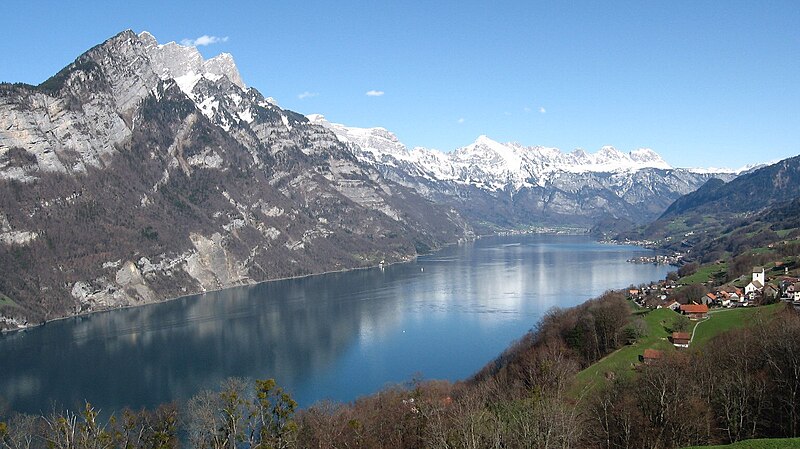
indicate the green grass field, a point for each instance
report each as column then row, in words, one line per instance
column 6, row 301
column 622, row 361
column 705, row 274
column 767, row 443
column 784, row 232
column 723, row 320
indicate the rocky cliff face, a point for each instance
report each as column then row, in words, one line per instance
column 142, row 172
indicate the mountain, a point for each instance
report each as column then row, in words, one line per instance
column 721, row 219
column 142, row 171
column 750, row 192
column 495, row 184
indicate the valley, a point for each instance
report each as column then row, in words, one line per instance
column 364, row 284
column 142, row 172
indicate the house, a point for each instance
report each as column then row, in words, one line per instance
column 771, row 292
column 695, row 311
column 651, row 356
column 733, row 294
column 721, row 298
column 681, row 339
column 652, row 302
column 709, row 299
column 674, row 305
column 787, row 287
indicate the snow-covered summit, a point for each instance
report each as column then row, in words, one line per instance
column 609, row 159
column 214, row 84
column 488, row 163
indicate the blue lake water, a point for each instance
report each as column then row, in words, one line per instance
column 335, row 336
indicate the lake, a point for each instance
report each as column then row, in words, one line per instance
column 334, row 336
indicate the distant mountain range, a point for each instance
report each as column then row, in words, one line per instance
column 142, row 171
column 760, row 188
column 720, row 219
column 496, row 184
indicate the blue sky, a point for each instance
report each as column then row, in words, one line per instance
column 704, row 83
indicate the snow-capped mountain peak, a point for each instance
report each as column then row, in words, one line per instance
column 484, row 147
column 608, row 153
column 223, row 64
column 644, row 154
column 172, row 60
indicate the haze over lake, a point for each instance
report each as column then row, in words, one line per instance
column 334, row 336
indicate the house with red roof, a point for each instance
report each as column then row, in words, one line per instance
column 695, row 311
column 651, row 356
column 681, row 339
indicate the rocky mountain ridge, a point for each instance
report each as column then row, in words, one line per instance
column 496, row 184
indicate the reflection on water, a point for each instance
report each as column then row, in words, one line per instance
column 333, row 336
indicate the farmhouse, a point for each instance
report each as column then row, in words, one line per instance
column 651, row 355
column 695, row 311
column 681, row 339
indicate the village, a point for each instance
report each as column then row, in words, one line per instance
column 697, row 302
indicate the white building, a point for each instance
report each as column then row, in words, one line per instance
column 758, row 275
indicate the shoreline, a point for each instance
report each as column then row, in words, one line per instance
column 505, row 233
column 4, row 332
column 457, row 247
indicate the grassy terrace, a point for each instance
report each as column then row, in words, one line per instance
column 705, row 274
column 622, row 361
column 771, row 443
column 6, row 301
column 784, row 232
column 724, row 320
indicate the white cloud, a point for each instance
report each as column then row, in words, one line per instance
column 204, row 40
column 526, row 109
column 460, row 120
column 375, row 93
column 542, row 110
column 307, row 94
